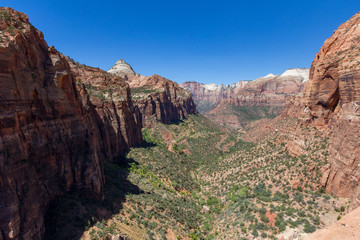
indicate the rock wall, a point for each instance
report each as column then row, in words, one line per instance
column 159, row 99
column 156, row 98
column 119, row 120
column 208, row 96
column 54, row 136
column 261, row 98
column 331, row 101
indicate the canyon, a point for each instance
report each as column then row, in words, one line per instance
column 93, row 154
column 239, row 104
column 157, row 98
column 208, row 96
column 59, row 122
column 262, row 98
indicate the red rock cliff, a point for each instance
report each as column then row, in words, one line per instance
column 261, row 98
column 54, row 136
column 208, row 96
column 333, row 98
column 156, row 98
column 110, row 97
column 332, row 102
column 160, row 99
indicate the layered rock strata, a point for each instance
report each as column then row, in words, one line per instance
column 261, row 98
column 208, row 96
column 331, row 101
column 159, row 99
column 54, row 135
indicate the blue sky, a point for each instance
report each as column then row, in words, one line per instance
column 205, row 41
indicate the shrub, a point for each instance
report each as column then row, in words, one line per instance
column 309, row 228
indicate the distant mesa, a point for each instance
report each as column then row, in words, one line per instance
column 270, row 88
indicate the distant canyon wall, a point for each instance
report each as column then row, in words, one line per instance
column 239, row 104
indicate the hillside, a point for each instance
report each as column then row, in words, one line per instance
column 156, row 98
column 208, row 96
column 89, row 154
column 195, row 179
column 262, row 98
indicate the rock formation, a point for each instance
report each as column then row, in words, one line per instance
column 331, row 101
column 110, row 96
column 261, row 98
column 159, row 99
column 122, row 69
column 346, row 228
column 54, row 136
column 208, row 96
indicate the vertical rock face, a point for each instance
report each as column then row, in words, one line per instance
column 261, row 98
column 109, row 96
column 333, row 99
column 159, row 99
column 208, row 96
column 335, row 72
column 49, row 143
column 54, row 136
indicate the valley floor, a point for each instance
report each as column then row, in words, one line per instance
column 197, row 180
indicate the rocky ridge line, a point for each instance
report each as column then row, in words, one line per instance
column 158, row 98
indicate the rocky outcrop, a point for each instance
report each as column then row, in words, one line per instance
column 54, row 136
column 122, row 69
column 261, row 98
column 346, row 228
column 208, row 96
column 159, row 99
column 331, row 101
column 110, row 97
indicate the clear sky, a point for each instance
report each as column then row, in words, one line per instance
column 205, row 41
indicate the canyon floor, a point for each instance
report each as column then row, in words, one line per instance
column 89, row 154
column 196, row 180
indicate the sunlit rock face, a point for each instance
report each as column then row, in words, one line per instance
column 122, row 69
column 264, row 97
column 208, row 96
column 156, row 98
column 331, row 101
column 333, row 98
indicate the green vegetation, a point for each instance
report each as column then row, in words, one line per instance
column 205, row 106
column 103, row 94
column 195, row 179
column 143, row 91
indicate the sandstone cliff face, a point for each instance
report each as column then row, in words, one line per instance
column 208, row 96
column 54, row 136
column 261, row 98
column 159, row 99
column 346, row 228
column 122, row 69
column 333, row 100
column 109, row 96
